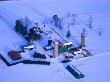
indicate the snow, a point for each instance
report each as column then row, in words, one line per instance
column 95, row 68
column 9, row 40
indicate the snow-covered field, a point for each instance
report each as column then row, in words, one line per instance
column 96, row 68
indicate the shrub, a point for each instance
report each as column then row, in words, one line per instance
column 66, row 61
column 38, row 55
column 36, row 62
column 32, row 37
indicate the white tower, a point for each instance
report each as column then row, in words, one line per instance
column 56, row 49
column 82, row 40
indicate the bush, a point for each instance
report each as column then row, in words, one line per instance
column 38, row 55
column 17, row 58
column 66, row 61
column 32, row 37
column 36, row 62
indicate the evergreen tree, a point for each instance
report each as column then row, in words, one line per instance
column 20, row 28
column 24, row 31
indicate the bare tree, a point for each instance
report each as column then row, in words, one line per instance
column 26, row 21
column 74, row 15
column 100, row 30
column 90, row 22
column 68, row 35
column 57, row 21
